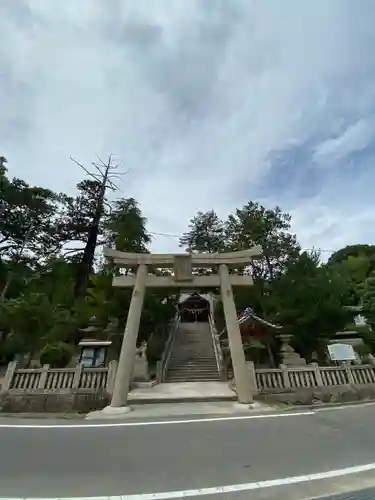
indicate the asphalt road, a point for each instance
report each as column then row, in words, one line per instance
column 75, row 460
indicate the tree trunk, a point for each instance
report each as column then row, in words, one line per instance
column 270, row 354
column 86, row 265
column 6, row 287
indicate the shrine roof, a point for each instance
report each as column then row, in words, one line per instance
column 249, row 316
column 94, row 342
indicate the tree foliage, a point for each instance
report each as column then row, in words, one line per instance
column 308, row 301
column 367, row 251
column 368, row 299
column 206, row 234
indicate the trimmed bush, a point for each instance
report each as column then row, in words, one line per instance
column 57, row 355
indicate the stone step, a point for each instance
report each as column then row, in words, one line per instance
column 198, row 333
column 198, row 357
column 187, row 366
column 193, row 374
column 186, row 361
column 193, row 326
column 192, row 362
column 202, row 356
column 196, row 347
column 193, row 368
column 192, row 341
column 194, row 353
column 198, row 366
column 192, row 344
column 189, row 356
column 207, row 352
column 190, row 373
column 191, row 338
column 190, row 379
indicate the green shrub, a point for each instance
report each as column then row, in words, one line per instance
column 57, row 355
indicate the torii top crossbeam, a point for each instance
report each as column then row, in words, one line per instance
column 182, row 265
column 125, row 259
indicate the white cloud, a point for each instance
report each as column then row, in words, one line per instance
column 194, row 99
column 355, row 138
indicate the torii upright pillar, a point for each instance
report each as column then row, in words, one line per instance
column 240, row 371
column 129, row 342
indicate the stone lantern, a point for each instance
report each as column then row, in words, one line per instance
column 288, row 355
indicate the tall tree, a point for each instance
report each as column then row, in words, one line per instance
column 364, row 251
column 95, row 192
column 270, row 228
column 355, row 270
column 125, row 227
column 206, row 234
column 308, row 300
column 368, row 299
column 28, row 217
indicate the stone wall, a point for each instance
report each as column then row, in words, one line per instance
column 317, row 395
column 41, row 402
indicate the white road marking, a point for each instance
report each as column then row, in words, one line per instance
column 215, row 490
column 153, row 422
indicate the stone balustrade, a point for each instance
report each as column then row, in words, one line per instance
column 310, row 376
column 48, row 379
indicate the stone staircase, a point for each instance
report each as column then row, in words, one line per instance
column 192, row 357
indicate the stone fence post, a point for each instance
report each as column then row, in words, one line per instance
column 77, row 376
column 43, row 377
column 252, row 375
column 285, row 375
column 349, row 373
column 9, row 374
column 111, row 376
column 318, row 375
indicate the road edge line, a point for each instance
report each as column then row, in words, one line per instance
column 214, row 490
column 155, row 422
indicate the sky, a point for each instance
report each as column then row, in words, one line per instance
column 206, row 104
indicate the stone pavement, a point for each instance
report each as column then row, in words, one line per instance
column 180, row 398
column 187, row 409
column 182, row 392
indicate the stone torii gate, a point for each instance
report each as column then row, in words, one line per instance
column 182, row 277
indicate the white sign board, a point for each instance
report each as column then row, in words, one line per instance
column 342, row 352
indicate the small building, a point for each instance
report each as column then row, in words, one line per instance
column 194, row 307
column 258, row 336
column 94, row 353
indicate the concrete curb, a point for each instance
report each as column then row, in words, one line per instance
column 329, row 405
column 44, row 416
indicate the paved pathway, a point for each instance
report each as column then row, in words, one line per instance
column 303, row 454
column 183, row 391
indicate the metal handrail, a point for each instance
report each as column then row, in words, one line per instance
column 217, row 346
column 162, row 366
